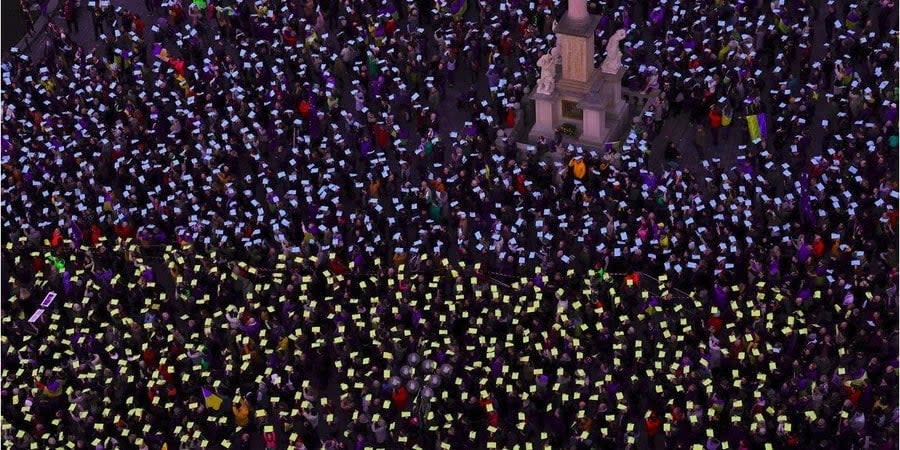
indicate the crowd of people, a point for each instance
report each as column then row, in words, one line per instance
column 309, row 225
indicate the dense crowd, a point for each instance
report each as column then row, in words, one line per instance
column 308, row 225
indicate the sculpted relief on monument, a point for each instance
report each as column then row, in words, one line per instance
column 573, row 59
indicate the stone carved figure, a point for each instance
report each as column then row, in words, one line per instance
column 613, row 60
column 548, row 63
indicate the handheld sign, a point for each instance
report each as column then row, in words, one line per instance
column 48, row 299
column 37, row 315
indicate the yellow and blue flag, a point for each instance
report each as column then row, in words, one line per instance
column 756, row 126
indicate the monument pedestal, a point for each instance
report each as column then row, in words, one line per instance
column 611, row 83
column 596, row 119
column 546, row 116
column 605, row 111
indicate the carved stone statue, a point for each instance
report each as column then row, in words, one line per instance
column 547, row 63
column 613, row 60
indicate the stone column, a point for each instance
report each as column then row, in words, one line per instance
column 611, row 90
column 545, row 118
column 594, row 126
column 577, row 10
column 575, row 38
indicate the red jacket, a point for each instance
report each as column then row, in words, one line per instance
column 715, row 119
column 818, row 248
column 506, row 45
column 305, row 108
column 289, row 38
column 520, row 184
column 149, row 357
column 715, row 322
column 124, row 231
column 510, row 121
column 164, row 372
column 337, row 267
column 381, row 136
column 493, row 417
column 178, row 65
column 652, row 426
column 56, row 238
column 853, row 394
column 390, row 27
column 634, row 277
column 399, row 398
column 37, row 264
column 96, row 232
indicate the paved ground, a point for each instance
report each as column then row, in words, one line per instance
column 12, row 24
column 676, row 129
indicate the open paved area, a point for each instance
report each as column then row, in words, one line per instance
column 309, row 224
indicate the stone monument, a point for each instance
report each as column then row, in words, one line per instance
column 613, row 60
column 547, row 83
column 580, row 94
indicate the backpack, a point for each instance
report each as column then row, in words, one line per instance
column 726, row 117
